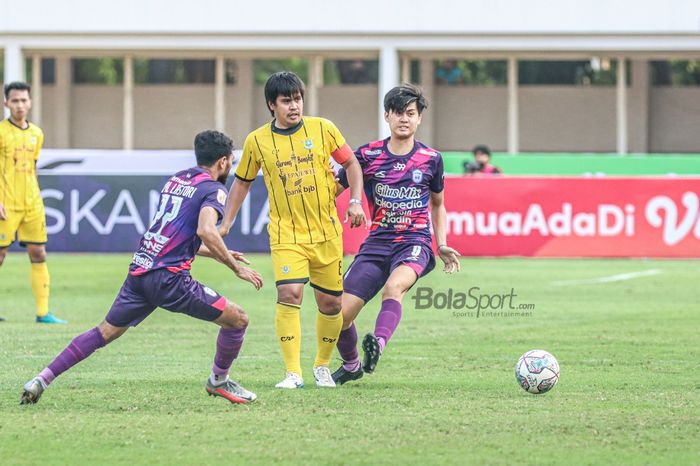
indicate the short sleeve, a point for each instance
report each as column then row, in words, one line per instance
column 333, row 138
column 248, row 166
column 437, row 183
column 216, row 199
column 39, row 144
column 342, row 175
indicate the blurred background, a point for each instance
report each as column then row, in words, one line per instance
column 552, row 88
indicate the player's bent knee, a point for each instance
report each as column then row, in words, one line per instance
column 110, row 332
column 290, row 295
column 393, row 291
column 233, row 316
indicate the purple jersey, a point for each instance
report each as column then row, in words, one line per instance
column 398, row 189
column 171, row 241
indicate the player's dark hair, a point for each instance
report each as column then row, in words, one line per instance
column 210, row 146
column 16, row 86
column 483, row 149
column 400, row 97
column 283, row 83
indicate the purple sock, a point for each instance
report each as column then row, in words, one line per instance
column 228, row 345
column 387, row 320
column 347, row 347
column 80, row 348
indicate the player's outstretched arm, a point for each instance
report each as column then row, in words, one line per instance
column 438, row 213
column 214, row 243
column 239, row 256
column 236, row 195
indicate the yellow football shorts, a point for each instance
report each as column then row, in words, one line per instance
column 28, row 225
column 322, row 263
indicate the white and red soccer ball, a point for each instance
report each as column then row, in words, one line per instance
column 537, row 371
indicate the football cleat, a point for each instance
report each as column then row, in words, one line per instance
column 343, row 375
column 370, row 346
column 50, row 319
column 293, row 380
column 231, row 390
column 323, row 377
column 32, row 391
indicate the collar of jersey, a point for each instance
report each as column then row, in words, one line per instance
column 286, row 131
column 407, row 155
column 18, row 127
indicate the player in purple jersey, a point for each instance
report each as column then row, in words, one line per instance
column 191, row 203
column 403, row 181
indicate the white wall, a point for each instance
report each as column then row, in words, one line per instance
column 96, row 117
column 353, row 109
column 567, row 118
column 675, row 119
column 169, row 116
column 465, row 116
column 360, row 16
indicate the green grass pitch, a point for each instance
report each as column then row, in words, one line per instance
column 444, row 391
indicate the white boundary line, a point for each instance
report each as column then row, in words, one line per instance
column 612, row 278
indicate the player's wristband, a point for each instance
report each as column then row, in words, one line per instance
column 356, row 201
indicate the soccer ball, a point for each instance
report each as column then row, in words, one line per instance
column 537, row 371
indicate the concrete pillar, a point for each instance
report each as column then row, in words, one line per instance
column 622, row 146
column 62, row 102
column 14, row 66
column 405, row 69
column 426, row 131
column 638, row 107
column 312, row 104
column 513, row 115
column 388, row 79
column 36, row 89
column 128, row 104
column 219, row 97
column 244, row 120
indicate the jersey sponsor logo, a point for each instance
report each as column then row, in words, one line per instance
column 221, row 196
column 308, row 144
column 417, row 176
column 285, row 269
column 402, row 192
column 373, row 152
column 329, row 340
column 399, row 167
column 209, row 291
column 143, row 260
column 287, row 338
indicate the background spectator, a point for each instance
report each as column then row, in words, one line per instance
column 481, row 165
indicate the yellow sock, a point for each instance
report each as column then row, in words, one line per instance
column 288, row 330
column 40, row 287
column 327, row 332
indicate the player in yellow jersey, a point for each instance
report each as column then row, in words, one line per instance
column 21, row 206
column 294, row 154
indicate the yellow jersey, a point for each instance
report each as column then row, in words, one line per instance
column 299, row 179
column 19, row 152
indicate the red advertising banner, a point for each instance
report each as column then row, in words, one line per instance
column 568, row 217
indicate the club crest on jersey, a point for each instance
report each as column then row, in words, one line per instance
column 33, row 139
column 399, row 167
column 221, row 196
column 308, row 144
column 417, row 176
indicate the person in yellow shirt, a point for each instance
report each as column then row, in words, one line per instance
column 21, row 207
column 294, row 154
